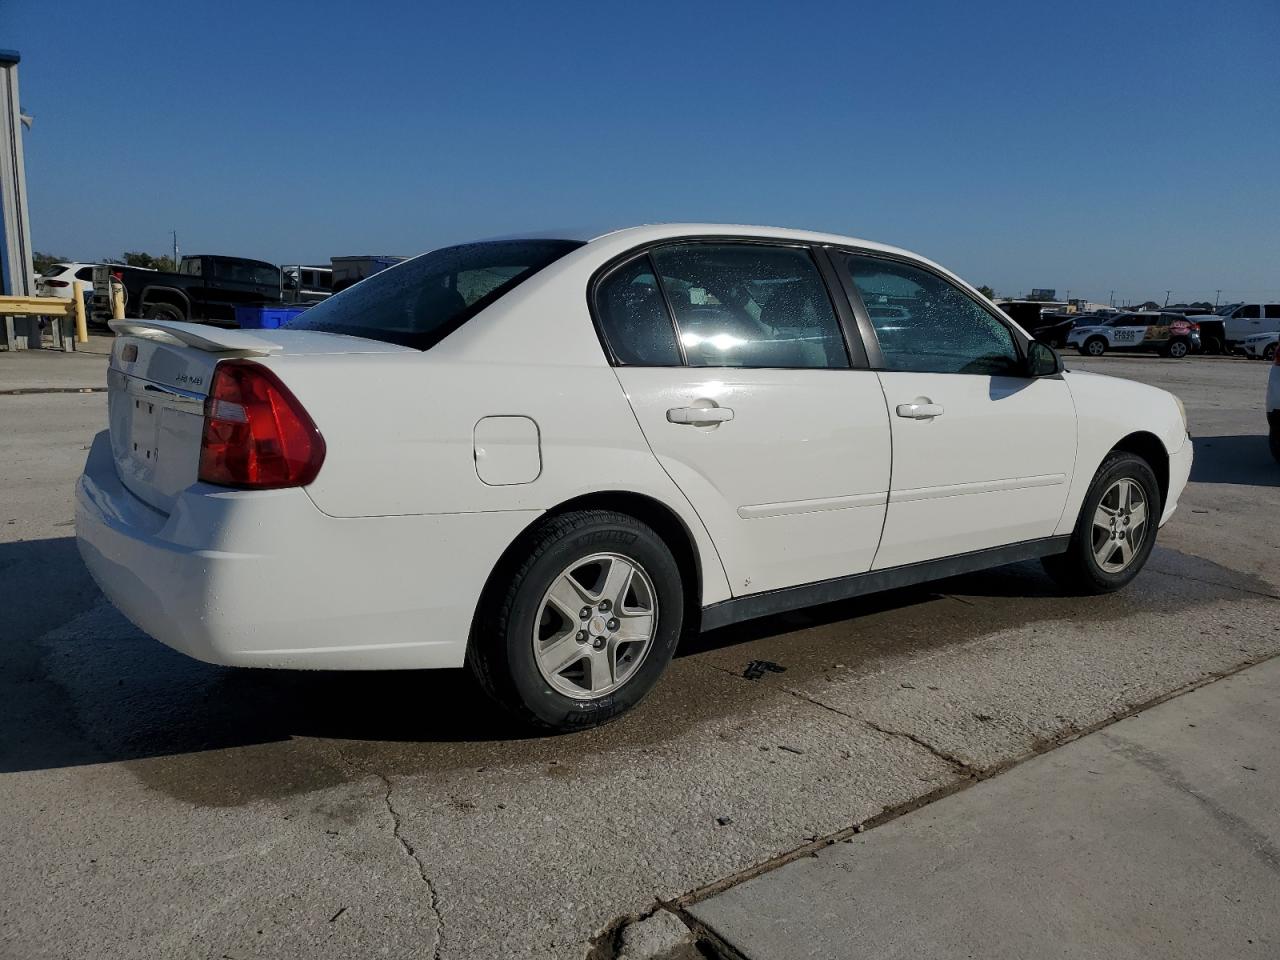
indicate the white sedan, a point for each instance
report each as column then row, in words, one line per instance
column 548, row 460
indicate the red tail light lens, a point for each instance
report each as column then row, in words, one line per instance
column 256, row 434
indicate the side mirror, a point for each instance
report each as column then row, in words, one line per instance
column 1043, row 360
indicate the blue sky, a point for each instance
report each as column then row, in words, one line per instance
column 1086, row 146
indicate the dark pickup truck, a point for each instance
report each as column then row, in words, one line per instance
column 206, row 289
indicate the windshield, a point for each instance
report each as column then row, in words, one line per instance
column 421, row 301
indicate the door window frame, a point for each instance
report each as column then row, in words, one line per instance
column 850, row 329
column 1021, row 340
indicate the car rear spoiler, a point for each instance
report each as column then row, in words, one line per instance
column 198, row 335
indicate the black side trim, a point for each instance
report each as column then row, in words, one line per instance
column 842, row 588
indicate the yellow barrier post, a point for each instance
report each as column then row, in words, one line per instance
column 82, row 324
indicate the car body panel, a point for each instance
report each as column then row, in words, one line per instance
column 993, row 468
column 793, row 488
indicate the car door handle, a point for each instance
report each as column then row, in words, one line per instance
column 921, row 408
column 699, row 416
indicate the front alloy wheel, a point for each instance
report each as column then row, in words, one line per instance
column 1119, row 525
column 1096, row 347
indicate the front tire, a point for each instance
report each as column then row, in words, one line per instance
column 579, row 626
column 1115, row 531
column 1094, row 347
column 1269, row 354
column 1177, row 349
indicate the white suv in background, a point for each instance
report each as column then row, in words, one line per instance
column 58, row 280
column 1260, row 346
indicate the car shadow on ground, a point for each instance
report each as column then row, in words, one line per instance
column 1235, row 459
column 79, row 685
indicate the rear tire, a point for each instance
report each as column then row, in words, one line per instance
column 1269, row 354
column 162, row 311
column 1096, row 560
column 534, row 653
column 1177, row 349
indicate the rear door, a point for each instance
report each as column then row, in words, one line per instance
column 1127, row 333
column 734, row 359
column 982, row 452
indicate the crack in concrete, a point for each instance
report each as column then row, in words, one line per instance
column 1214, row 583
column 407, row 848
column 960, row 766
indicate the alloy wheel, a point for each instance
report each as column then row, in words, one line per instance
column 595, row 625
column 1119, row 525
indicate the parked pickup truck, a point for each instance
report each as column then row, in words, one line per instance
column 205, row 288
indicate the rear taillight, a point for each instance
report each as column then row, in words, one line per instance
column 256, row 433
column 56, row 283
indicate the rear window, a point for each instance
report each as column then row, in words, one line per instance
column 421, row 301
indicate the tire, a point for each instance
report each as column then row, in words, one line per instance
column 162, row 311
column 521, row 627
column 1212, row 345
column 1269, row 354
column 1177, row 349
column 1080, row 570
column 1094, row 347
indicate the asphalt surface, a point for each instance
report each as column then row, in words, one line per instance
column 155, row 806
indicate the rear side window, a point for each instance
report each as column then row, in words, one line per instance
column 750, row 305
column 1273, row 311
column 634, row 318
column 421, row 301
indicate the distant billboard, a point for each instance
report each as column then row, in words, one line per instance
column 1043, row 293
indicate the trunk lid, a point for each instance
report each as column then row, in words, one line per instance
column 157, row 382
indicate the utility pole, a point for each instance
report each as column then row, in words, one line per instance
column 1216, row 295
column 175, row 248
column 1166, row 297
column 1112, row 301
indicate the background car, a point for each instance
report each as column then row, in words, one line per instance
column 59, row 279
column 1169, row 334
column 548, row 460
column 1260, row 346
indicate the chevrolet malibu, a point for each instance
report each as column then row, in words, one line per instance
column 547, row 460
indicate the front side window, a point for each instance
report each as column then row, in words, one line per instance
column 1250, row 311
column 421, row 301
column 928, row 325
column 750, row 305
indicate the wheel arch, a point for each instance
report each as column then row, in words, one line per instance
column 1150, row 448
column 169, row 295
column 665, row 521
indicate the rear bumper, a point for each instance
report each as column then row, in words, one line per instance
column 264, row 579
column 1179, row 473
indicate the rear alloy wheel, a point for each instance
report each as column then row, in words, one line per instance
column 579, row 625
column 1095, row 347
column 1178, row 349
column 1269, row 352
column 1115, row 531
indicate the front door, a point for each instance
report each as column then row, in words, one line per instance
column 737, row 370
column 982, row 452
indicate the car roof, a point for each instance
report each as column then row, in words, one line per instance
column 649, row 233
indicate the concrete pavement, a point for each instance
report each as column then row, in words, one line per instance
column 1158, row 836
column 155, row 806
